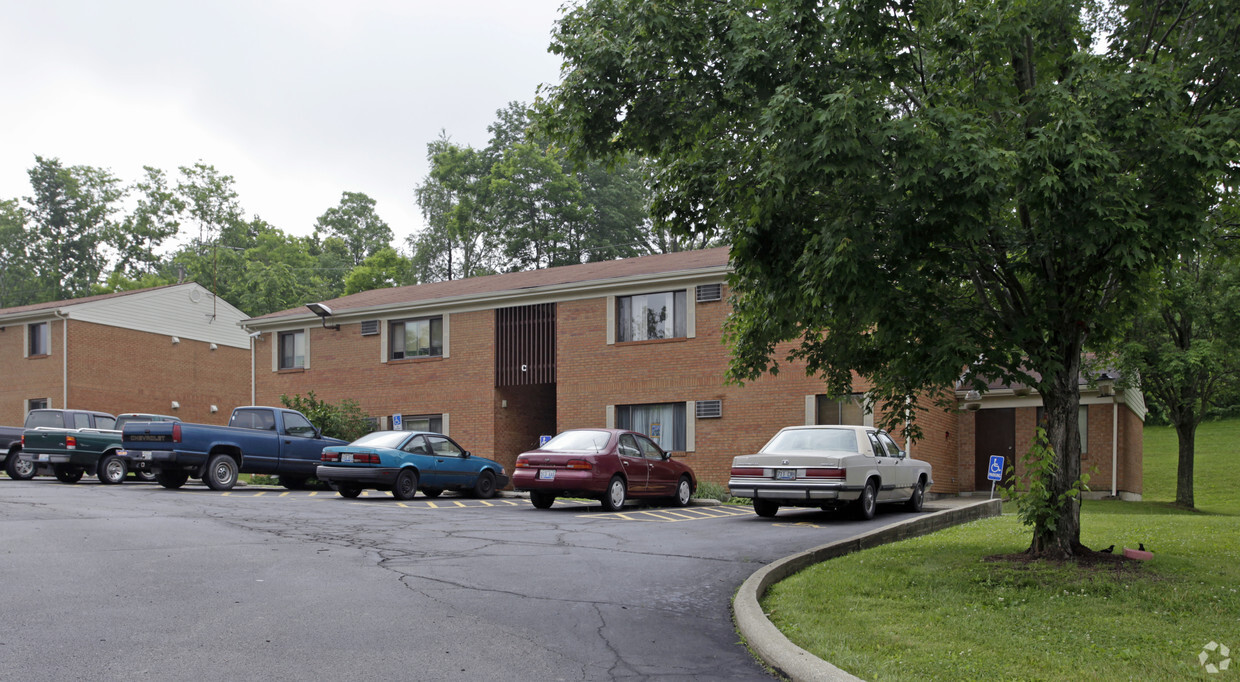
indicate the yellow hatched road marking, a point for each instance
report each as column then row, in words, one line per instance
column 283, row 494
column 459, row 503
column 432, row 505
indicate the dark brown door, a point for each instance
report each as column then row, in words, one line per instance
column 995, row 435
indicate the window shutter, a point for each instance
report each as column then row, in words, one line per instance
column 709, row 409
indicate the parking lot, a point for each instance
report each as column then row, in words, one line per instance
column 132, row 581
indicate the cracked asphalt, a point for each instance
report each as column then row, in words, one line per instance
column 138, row 582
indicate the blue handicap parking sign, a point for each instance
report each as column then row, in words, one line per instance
column 995, row 472
column 542, row 440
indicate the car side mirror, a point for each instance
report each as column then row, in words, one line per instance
column 468, row 453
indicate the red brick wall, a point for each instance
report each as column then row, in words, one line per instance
column 345, row 364
column 121, row 370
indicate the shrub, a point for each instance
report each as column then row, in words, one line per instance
column 343, row 420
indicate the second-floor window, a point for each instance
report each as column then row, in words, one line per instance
column 39, row 343
column 292, row 350
column 650, row 316
column 422, row 338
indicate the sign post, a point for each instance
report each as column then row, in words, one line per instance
column 994, row 472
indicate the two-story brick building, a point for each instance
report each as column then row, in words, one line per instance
column 165, row 350
column 498, row 361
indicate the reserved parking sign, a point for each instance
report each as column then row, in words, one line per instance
column 995, row 472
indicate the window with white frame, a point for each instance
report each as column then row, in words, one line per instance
column 422, row 422
column 651, row 316
column 292, row 349
column 36, row 404
column 420, row 338
column 849, row 411
column 663, row 422
column 38, row 341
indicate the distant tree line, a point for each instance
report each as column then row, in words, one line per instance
column 515, row 205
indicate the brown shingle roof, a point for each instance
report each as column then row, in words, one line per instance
column 568, row 274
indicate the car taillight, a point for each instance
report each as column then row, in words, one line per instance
column 176, row 433
column 522, row 464
column 746, row 471
column 366, row 459
column 70, row 442
column 824, row 473
column 330, row 457
column 578, row 464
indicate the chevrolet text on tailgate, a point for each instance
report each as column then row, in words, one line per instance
column 258, row 440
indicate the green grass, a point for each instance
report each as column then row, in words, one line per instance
column 935, row 608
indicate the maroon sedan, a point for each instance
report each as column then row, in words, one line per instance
column 605, row 464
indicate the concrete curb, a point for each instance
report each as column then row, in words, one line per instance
column 771, row 646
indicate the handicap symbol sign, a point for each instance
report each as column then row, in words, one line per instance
column 543, row 440
column 995, row 472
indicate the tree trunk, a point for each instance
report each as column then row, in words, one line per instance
column 1187, row 435
column 1061, row 399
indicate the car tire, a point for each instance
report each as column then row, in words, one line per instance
column 613, row 499
column 147, row 476
column 868, row 502
column 111, row 470
column 20, row 469
column 349, row 491
column 542, row 500
column 684, row 492
column 293, row 482
column 405, row 487
column 68, row 474
column 918, row 498
column 221, row 473
column 171, row 478
column 765, row 508
column 432, row 492
column 484, row 487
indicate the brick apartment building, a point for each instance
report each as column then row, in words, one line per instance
column 165, row 350
column 497, row 361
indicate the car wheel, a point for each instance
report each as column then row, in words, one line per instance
column 349, row 491
column 613, row 499
column 684, row 492
column 171, row 478
column 111, row 470
column 484, row 487
column 868, row 501
column 406, row 484
column 765, row 508
column 221, row 473
column 918, row 498
column 147, row 476
column 19, row 469
column 542, row 500
column 432, row 492
column 68, row 474
column 293, row 482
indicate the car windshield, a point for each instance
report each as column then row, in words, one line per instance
column 577, row 441
column 382, row 439
column 815, row 440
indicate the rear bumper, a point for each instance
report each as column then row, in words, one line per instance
column 163, row 459
column 566, row 481
column 793, row 492
column 357, row 475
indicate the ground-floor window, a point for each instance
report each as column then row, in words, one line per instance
column 849, row 411
column 36, row 404
column 422, row 422
column 663, row 422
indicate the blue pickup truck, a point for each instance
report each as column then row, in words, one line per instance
column 258, row 440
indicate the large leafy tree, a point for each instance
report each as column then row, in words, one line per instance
column 459, row 240
column 386, row 268
column 1184, row 347
column 155, row 219
column 355, row 222
column 916, row 188
column 16, row 270
column 70, row 217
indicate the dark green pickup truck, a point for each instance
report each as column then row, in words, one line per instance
column 74, row 442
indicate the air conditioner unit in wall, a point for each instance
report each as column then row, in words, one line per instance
column 709, row 409
column 709, row 292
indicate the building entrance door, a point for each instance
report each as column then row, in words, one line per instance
column 995, row 434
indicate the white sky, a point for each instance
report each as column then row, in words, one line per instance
column 298, row 100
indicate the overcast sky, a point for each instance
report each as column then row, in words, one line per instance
column 298, row 100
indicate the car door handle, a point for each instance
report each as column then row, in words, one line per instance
column 624, row 462
column 288, row 442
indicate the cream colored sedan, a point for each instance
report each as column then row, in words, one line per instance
column 830, row 467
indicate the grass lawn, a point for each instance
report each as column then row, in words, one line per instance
column 935, row 608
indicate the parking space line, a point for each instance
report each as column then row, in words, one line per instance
column 432, row 505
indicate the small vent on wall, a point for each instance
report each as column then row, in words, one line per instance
column 709, row 409
column 709, row 292
column 370, row 327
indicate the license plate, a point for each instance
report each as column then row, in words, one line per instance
column 785, row 474
column 346, row 457
column 43, row 457
column 145, row 454
column 546, row 474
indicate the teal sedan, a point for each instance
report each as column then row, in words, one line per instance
column 405, row 462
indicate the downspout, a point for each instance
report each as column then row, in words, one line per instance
column 1114, row 444
column 64, row 359
column 252, row 376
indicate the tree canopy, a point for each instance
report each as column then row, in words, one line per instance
column 914, row 191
